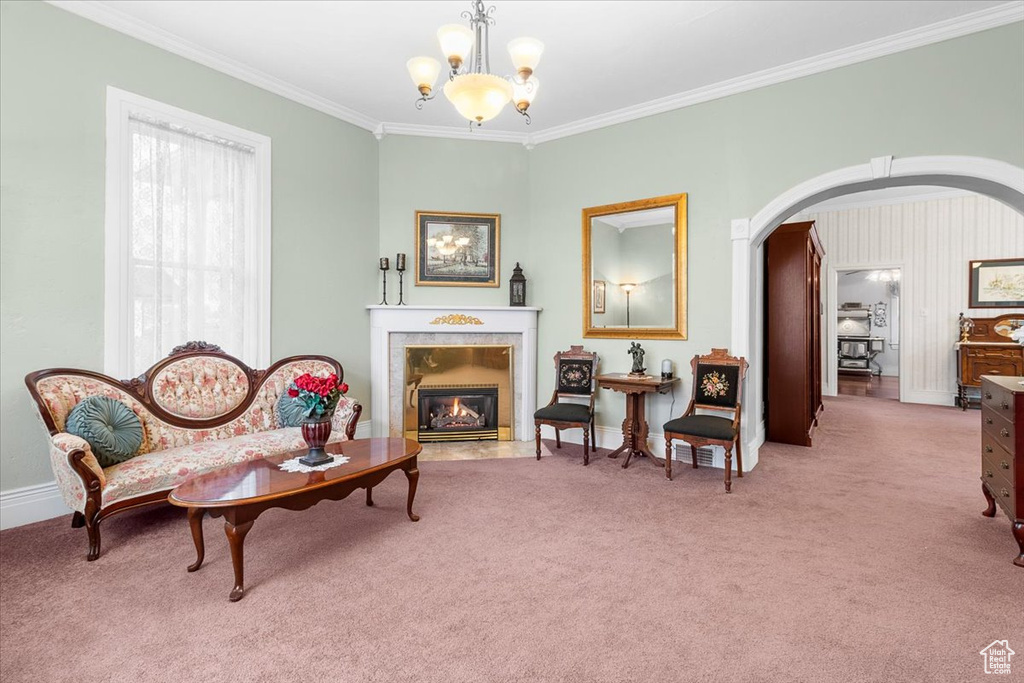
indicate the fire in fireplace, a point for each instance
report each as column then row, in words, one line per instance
column 458, row 414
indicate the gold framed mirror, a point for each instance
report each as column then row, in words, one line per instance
column 634, row 269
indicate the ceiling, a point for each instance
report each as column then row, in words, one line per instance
column 604, row 61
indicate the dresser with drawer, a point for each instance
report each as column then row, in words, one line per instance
column 1002, row 451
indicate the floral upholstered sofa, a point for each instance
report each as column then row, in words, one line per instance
column 200, row 409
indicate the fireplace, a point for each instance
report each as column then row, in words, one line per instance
column 458, row 414
column 458, row 392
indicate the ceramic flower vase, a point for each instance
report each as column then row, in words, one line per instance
column 316, row 433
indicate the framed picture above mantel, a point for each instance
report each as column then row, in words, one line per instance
column 996, row 283
column 457, row 249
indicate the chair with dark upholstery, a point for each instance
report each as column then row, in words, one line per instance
column 575, row 370
column 717, row 386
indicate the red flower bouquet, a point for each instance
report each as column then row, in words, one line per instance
column 320, row 395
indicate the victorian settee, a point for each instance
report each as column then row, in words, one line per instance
column 200, row 409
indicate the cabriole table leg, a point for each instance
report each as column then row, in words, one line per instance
column 195, row 523
column 412, row 473
column 236, row 539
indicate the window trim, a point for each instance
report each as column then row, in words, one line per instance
column 120, row 106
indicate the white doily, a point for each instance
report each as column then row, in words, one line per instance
column 294, row 465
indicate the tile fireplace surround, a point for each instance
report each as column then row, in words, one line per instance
column 394, row 327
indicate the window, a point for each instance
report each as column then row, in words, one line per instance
column 187, row 235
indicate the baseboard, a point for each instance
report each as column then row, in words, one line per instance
column 364, row 429
column 31, row 504
column 933, row 398
column 611, row 438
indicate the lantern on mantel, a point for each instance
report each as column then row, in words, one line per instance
column 517, row 287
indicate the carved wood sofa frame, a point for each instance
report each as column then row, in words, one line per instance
column 142, row 389
column 716, row 357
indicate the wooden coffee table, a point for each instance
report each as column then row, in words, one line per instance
column 240, row 493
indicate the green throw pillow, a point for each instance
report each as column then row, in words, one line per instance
column 290, row 411
column 113, row 431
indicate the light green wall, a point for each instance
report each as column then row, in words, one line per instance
column 435, row 174
column 733, row 155
column 341, row 197
column 54, row 70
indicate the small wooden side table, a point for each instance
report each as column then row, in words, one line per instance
column 634, row 427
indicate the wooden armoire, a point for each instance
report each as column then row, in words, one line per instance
column 792, row 321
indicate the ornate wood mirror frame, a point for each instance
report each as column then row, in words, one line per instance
column 675, row 330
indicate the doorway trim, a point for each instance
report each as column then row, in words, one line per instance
column 996, row 179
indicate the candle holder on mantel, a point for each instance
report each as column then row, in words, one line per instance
column 400, row 267
column 384, row 267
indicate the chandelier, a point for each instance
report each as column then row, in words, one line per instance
column 475, row 92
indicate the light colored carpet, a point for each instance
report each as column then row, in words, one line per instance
column 862, row 559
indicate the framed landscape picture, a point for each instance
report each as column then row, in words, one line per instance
column 598, row 297
column 996, row 283
column 457, row 249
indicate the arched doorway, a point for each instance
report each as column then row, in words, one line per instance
column 997, row 179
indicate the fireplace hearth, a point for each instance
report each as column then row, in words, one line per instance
column 458, row 414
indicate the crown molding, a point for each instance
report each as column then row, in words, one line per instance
column 974, row 22
column 125, row 23
column 956, row 27
column 451, row 132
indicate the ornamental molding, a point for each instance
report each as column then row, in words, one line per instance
column 456, row 319
column 107, row 15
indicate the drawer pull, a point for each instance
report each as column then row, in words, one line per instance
column 1004, row 432
column 988, row 449
column 1006, row 494
column 1006, row 406
column 989, row 474
column 988, row 420
column 1005, row 465
column 988, row 395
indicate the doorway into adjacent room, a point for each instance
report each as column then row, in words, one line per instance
column 867, row 319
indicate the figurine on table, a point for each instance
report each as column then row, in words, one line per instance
column 638, row 360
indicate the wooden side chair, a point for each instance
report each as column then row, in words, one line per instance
column 575, row 370
column 718, row 386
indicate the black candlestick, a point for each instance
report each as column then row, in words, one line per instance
column 384, row 280
column 400, row 267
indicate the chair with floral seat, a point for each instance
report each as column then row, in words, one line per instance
column 717, row 386
column 575, row 370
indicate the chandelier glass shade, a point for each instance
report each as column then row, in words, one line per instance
column 478, row 97
column 476, row 93
column 424, row 72
column 456, row 43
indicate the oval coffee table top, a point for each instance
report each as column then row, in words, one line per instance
column 262, row 479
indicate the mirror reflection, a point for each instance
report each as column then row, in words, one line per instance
column 633, row 265
column 634, row 254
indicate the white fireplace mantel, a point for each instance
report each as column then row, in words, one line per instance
column 457, row 321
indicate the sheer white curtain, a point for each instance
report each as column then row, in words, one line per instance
column 191, row 274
